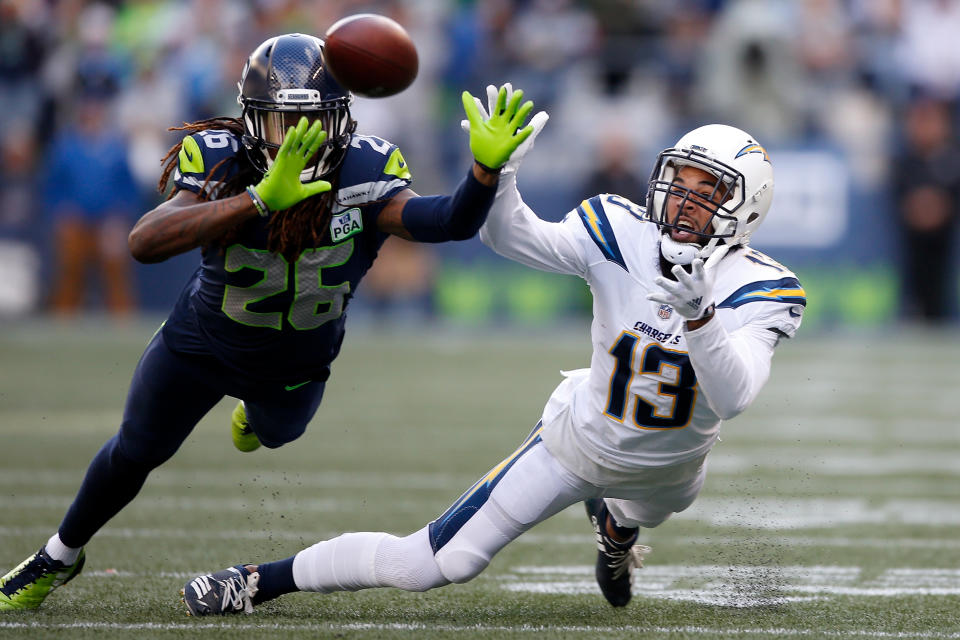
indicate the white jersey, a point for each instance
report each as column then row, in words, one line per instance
column 655, row 394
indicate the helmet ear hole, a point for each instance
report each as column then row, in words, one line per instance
column 753, row 216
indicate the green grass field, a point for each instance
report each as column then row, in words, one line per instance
column 832, row 507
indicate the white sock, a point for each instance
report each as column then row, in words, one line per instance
column 345, row 563
column 59, row 551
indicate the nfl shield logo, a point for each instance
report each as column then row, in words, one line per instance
column 664, row 312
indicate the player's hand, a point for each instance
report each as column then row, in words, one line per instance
column 538, row 121
column 691, row 295
column 280, row 187
column 494, row 137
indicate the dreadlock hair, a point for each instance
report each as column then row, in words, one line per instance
column 305, row 224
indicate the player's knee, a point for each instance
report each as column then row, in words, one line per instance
column 461, row 564
column 645, row 517
column 274, row 430
column 271, row 443
column 127, row 452
column 650, row 521
column 275, row 438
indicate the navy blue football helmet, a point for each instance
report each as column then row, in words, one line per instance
column 286, row 78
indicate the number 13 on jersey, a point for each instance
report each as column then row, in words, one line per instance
column 671, row 404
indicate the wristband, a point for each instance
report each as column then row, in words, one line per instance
column 708, row 313
column 489, row 170
column 262, row 209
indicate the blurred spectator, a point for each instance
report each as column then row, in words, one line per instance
column 153, row 98
column 678, row 56
column 91, row 197
column 828, row 75
column 614, row 171
column 19, row 220
column 749, row 75
column 22, row 53
column 543, row 39
column 929, row 55
column 927, row 193
column 876, row 26
column 860, row 121
column 19, row 209
column 824, row 40
column 628, row 36
column 400, row 283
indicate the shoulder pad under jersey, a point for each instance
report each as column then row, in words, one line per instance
column 374, row 169
column 200, row 153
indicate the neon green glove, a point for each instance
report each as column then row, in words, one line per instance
column 495, row 137
column 538, row 121
column 280, row 187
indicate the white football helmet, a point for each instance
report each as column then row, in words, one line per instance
column 745, row 182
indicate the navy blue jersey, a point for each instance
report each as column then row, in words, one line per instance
column 267, row 317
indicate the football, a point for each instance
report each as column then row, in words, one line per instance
column 370, row 55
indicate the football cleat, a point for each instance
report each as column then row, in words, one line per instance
column 220, row 593
column 244, row 438
column 26, row 586
column 615, row 560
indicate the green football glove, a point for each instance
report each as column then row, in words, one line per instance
column 495, row 137
column 280, row 187
column 538, row 121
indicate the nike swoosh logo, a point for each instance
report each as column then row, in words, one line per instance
column 291, row 387
column 189, row 154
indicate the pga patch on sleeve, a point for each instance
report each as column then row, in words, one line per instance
column 346, row 224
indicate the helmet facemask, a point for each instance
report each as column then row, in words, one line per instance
column 726, row 196
column 266, row 127
column 285, row 79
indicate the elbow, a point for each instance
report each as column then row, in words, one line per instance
column 465, row 231
column 731, row 407
column 728, row 413
column 136, row 246
column 140, row 248
column 462, row 234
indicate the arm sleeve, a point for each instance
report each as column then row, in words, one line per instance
column 453, row 217
column 731, row 367
column 514, row 231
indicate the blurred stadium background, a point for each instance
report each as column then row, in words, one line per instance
column 854, row 99
column 832, row 507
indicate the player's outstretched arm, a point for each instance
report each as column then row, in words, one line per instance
column 512, row 228
column 186, row 221
column 493, row 139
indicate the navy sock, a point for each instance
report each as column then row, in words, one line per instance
column 276, row 579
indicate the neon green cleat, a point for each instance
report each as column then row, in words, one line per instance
column 244, row 438
column 26, row 586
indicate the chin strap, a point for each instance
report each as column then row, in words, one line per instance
column 683, row 253
column 678, row 252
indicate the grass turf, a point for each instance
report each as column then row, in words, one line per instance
column 831, row 508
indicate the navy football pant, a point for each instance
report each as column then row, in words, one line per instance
column 168, row 396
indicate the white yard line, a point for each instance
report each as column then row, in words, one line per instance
column 742, row 585
column 546, row 629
